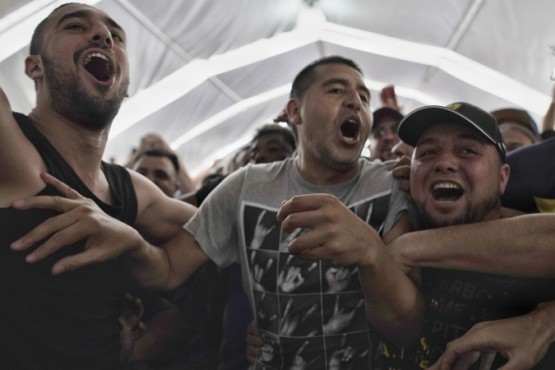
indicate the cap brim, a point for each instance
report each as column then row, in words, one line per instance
column 416, row 122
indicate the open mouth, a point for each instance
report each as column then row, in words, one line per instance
column 98, row 66
column 447, row 192
column 349, row 129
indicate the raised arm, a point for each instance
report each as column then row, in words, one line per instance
column 518, row 246
column 20, row 164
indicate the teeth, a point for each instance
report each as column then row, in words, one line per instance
column 95, row 55
column 446, row 185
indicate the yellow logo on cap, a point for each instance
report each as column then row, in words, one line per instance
column 454, row 106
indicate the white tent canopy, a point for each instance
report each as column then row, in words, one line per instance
column 205, row 73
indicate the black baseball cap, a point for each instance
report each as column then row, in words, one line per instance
column 385, row 112
column 416, row 122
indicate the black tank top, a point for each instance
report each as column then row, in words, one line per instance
column 68, row 321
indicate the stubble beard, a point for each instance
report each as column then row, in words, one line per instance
column 471, row 215
column 71, row 100
column 330, row 160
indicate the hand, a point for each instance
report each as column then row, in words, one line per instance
column 254, row 343
column 282, row 116
column 260, row 231
column 291, row 277
column 291, row 319
column 132, row 328
column 258, row 271
column 80, row 219
column 401, row 171
column 520, row 339
column 338, row 278
column 341, row 317
column 336, row 233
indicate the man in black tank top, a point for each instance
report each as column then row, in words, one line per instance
column 79, row 66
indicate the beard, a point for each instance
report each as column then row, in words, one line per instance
column 71, row 100
column 330, row 160
column 472, row 214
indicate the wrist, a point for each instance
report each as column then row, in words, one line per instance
column 544, row 315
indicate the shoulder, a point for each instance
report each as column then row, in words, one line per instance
column 152, row 202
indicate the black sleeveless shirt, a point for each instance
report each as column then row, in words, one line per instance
column 68, row 321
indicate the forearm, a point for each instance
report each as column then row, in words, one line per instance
column 394, row 305
column 544, row 315
column 167, row 266
column 519, row 246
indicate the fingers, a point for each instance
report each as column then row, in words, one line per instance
column 61, row 228
column 64, row 189
column 303, row 203
column 401, row 171
column 254, row 343
column 74, row 262
column 56, row 203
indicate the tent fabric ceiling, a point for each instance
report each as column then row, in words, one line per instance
column 205, row 73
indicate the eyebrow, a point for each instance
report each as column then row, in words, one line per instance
column 344, row 82
column 86, row 14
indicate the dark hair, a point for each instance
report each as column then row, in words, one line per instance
column 38, row 33
column 306, row 76
column 272, row 128
column 159, row 153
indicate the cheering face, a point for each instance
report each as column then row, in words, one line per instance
column 456, row 176
column 333, row 118
column 86, row 70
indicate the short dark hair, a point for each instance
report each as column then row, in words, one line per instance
column 306, row 76
column 272, row 128
column 159, row 153
column 38, row 33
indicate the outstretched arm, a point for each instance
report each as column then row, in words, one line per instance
column 392, row 300
column 523, row 340
column 517, row 246
column 164, row 264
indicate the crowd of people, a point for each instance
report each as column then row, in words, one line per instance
column 333, row 260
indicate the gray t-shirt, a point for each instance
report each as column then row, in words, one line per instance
column 311, row 313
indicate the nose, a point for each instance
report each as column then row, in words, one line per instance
column 390, row 136
column 353, row 100
column 446, row 162
column 102, row 34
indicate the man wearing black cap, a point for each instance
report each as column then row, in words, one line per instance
column 457, row 176
column 517, row 127
column 384, row 133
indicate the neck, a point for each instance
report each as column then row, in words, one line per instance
column 82, row 148
column 319, row 174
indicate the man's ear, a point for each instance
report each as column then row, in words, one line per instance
column 292, row 110
column 33, row 67
column 504, row 173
